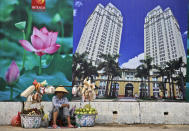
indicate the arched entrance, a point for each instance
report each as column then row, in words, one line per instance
column 129, row 90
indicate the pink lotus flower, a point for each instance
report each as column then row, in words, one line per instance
column 42, row 41
column 12, row 73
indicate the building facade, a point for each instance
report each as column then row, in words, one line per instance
column 162, row 36
column 102, row 33
column 130, row 86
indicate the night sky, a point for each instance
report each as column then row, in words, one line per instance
column 134, row 12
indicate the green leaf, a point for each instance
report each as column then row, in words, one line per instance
column 60, row 64
column 21, row 25
column 41, row 18
column 54, row 79
column 22, row 71
column 66, row 43
column 5, row 63
column 11, row 33
column 6, row 7
column 32, row 60
column 9, row 49
column 2, row 83
column 48, row 59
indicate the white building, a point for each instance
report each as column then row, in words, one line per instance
column 102, row 33
column 162, row 36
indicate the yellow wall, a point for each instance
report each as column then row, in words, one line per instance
column 136, row 85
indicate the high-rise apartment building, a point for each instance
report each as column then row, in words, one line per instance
column 102, row 33
column 162, row 36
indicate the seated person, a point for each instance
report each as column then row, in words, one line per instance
column 60, row 106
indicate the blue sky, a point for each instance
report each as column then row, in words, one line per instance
column 134, row 12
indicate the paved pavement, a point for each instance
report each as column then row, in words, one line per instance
column 109, row 128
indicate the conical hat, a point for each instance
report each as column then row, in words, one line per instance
column 61, row 89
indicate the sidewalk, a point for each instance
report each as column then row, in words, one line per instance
column 139, row 127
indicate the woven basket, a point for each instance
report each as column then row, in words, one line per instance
column 86, row 119
column 30, row 121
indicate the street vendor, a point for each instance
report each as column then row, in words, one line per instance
column 61, row 106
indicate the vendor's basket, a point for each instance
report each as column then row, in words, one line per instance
column 30, row 121
column 86, row 119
